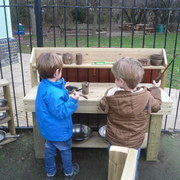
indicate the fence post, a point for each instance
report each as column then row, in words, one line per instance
column 38, row 16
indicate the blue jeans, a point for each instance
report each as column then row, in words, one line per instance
column 66, row 156
column 137, row 163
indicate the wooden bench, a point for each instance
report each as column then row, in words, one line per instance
column 96, row 91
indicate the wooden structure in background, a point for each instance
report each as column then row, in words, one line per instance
column 100, row 79
column 4, row 84
column 92, row 72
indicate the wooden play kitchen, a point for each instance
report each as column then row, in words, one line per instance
column 96, row 69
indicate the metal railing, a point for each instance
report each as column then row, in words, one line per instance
column 98, row 15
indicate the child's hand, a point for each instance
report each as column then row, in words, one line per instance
column 156, row 84
column 67, row 84
column 75, row 95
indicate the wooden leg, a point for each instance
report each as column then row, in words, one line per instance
column 38, row 140
column 117, row 160
column 154, row 137
column 7, row 95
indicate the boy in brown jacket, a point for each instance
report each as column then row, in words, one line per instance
column 128, row 106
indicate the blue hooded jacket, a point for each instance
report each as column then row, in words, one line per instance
column 54, row 110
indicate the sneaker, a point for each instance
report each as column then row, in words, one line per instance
column 75, row 172
column 52, row 177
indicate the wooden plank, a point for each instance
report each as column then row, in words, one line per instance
column 82, row 75
column 7, row 141
column 7, row 95
column 5, row 120
column 104, row 75
column 91, row 55
column 96, row 91
column 95, row 141
column 117, row 158
column 154, row 137
column 38, row 140
column 3, row 82
column 101, row 54
column 129, row 170
column 4, row 108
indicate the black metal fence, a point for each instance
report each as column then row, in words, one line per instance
column 90, row 23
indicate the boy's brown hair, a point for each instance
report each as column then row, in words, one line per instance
column 128, row 69
column 48, row 63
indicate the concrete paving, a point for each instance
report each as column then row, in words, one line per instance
column 17, row 161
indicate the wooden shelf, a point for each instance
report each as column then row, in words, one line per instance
column 8, row 140
column 99, row 66
column 103, row 66
column 5, row 108
column 95, row 141
column 5, row 120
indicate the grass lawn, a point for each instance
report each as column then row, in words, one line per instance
column 125, row 42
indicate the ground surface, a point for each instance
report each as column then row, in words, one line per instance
column 17, row 161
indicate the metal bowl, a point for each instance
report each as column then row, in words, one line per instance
column 81, row 132
column 102, row 131
column 3, row 115
column 3, row 102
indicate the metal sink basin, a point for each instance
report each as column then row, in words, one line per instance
column 81, row 132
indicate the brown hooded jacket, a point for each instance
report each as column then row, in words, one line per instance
column 127, row 115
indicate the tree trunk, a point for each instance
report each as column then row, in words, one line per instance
column 94, row 22
column 33, row 23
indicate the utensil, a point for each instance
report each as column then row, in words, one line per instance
column 83, row 96
column 161, row 74
column 81, row 132
column 102, row 131
column 3, row 135
column 72, row 88
column 85, row 87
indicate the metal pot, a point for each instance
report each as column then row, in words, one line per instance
column 3, row 135
column 3, row 102
column 81, row 132
column 72, row 88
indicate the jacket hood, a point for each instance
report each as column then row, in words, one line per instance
column 127, row 104
column 60, row 83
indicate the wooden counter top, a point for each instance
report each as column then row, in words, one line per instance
column 96, row 91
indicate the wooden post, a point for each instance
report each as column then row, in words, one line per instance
column 129, row 171
column 39, row 141
column 122, row 163
column 154, row 137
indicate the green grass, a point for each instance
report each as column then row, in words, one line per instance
column 126, row 43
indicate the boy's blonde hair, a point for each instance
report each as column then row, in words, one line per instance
column 48, row 63
column 128, row 69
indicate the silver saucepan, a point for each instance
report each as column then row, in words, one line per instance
column 3, row 135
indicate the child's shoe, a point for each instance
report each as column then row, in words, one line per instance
column 52, row 177
column 75, row 172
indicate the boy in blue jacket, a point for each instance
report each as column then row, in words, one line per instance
column 54, row 109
